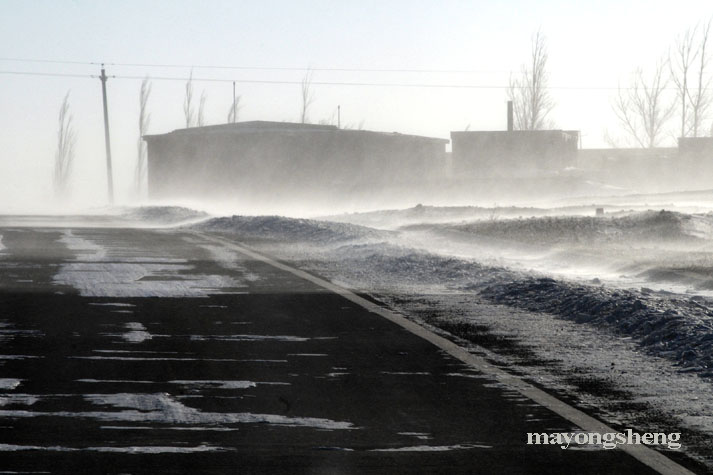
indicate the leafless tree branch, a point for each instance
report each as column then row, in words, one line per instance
column 643, row 109
column 234, row 110
column 64, row 155
column 188, row 112
column 531, row 99
column 201, row 110
column 144, row 121
column 307, row 95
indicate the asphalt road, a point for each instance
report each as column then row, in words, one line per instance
column 154, row 351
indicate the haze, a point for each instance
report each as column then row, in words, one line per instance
column 593, row 47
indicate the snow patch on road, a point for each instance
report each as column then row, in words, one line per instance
column 9, row 383
column 18, row 399
column 217, row 384
column 117, row 279
column 94, row 274
column 86, row 250
column 144, row 449
column 162, row 408
column 112, row 304
column 137, row 333
column 249, row 338
column 434, row 448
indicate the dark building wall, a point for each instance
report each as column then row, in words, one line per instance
column 688, row 167
column 696, row 147
column 513, row 153
column 250, row 158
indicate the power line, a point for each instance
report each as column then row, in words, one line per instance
column 324, row 83
column 264, row 68
column 316, row 83
column 274, row 68
column 34, row 73
column 52, row 61
column 260, row 68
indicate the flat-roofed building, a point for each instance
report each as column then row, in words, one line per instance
column 513, row 154
column 285, row 160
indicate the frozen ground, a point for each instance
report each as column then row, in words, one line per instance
column 612, row 313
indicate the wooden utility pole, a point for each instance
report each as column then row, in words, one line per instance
column 107, row 140
column 339, row 117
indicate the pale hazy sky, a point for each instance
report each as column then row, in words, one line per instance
column 593, row 46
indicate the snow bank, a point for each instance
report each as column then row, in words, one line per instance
column 648, row 226
column 163, row 215
column 675, row 327
column 277, row 228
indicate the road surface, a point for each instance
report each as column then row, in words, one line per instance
column 160, row 351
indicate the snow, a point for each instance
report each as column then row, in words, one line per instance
column 218, row 384
column 96, row 274
column 137, row 333
column 591, row 296
column 162, row 408
column 18, row 399
column 146, row 449
column 279, row 228
column 162, row 215
column 433, row 448
column 9, row 383
column 287, row 338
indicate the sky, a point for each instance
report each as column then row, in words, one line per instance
column 397, row 47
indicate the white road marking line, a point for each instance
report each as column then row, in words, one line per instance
column 644, row 454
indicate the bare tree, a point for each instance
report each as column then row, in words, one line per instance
column 201, row 110
column 528, row 92
column 234, row 110
column 681, row 61
column 689, row 71
column 307, row 95
column 144, row 121
column 188, row 112
column 64, row 155
column 643, row 108
column 701, row 97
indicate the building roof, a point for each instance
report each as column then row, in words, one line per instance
column 260, row 126
column 514, row 133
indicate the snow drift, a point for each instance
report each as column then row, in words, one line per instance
column 676, row 327
column 278, row 228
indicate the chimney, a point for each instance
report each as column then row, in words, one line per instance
column 510, row 121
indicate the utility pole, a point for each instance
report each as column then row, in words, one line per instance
column 510, row 117
column 107, row 140
column 339, row 117
column 234, row 111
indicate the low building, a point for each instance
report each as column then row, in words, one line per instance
column 513, row 154
column 686, row 167
column 283, row 160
